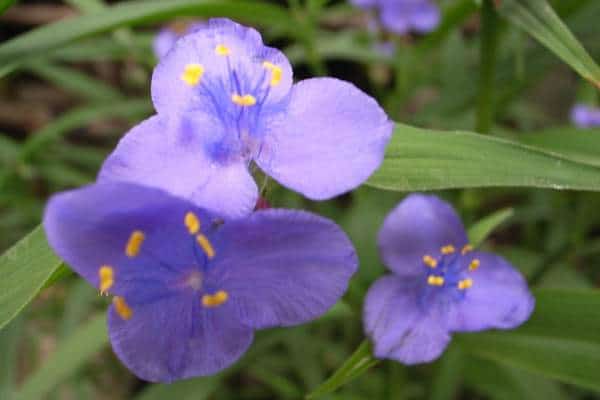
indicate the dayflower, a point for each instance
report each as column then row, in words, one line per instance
column 439, row 285
column 165, row 38
column 189, row 289
column 584, row 116
column 224, row 100
column 404, row 16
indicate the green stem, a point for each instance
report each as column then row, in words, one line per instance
column 488, row 58
column 359, row 362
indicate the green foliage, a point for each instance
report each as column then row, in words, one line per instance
column 469, row 75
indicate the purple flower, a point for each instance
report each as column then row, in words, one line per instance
column 225, row 100
column 403, row 16
column 165, row 39
column 440, row 284
column 189, row 289
column 584, row 116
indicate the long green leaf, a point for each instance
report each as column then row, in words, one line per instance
column 538, row 19
column 132, row 13
column 66, row 359
column 560, row 341
column 577, row 144
column 23, row 270
column 421, row 159
column 481, row 230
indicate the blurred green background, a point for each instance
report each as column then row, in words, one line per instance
column 65, row 104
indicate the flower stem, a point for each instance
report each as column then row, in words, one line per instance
column 488, row 56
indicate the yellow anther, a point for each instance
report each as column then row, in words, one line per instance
column 222, row 50
column 206, row 246
column 435, row 280
column 106, row 275
column 430, row 261
column 215, row 300
column 244, row 101
column 448, row 249
column 467, row 248
column 192, row 74
column 122, row 308
column 276, row 72
column 465, row 283
column 474, row 264
column 134, row 244
column 192, row 222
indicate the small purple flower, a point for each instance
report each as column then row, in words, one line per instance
column 191, row 289
column 165, row 39
column 440, row 284
column 584, row 116
column 403, row 16
column 225, row 100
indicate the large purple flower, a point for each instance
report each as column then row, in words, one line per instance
column 584, row 116
column 189, row 289
column 224, row 100
column 440, row 284
column 403, row 16
column 165, row 38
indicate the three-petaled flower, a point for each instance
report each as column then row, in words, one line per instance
column 224, row 100
column 585, row 116
column 440, row 284
column 404, row 16
column 189, row 289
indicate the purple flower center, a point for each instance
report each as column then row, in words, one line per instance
column 237, row 94
column 446, row 278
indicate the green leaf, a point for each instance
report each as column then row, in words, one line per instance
column 76, row 82
column 582, row 145
column 421, row 159
column 81, row 116
column 132, row 13
column 358, row 363
column 24, row 269
column 5, row 4
column 70, row 355
column 538, row 19
column 481, row 230
column 560, row 340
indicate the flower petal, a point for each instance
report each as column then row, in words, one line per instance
column 425, row 16
column 298, row 264
column 420, row 225
column 398, row 327
column 245, row 56
column 173, row 157
column 499, row 297
column 177, row 338
column 396, row 17
column 331, row 139
column 136, row 231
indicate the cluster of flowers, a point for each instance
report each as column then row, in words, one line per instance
column 169, row 229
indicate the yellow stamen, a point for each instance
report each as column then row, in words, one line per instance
column 206, row 246
column 215, row 300
column 474, row 264
column 222, row 50
column 448, row 249
column 106, row 275
column 465, row 284
column 134, row 243
column 122, row 308
column 192, row 222
column 435, row 280
column 276, row 72
column 192, row 74
column 430, row 261
column 467, row 248
column 244, row 101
